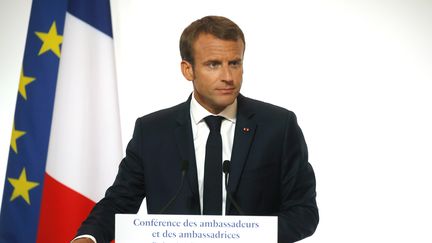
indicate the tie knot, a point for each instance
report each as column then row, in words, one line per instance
column 214, row 123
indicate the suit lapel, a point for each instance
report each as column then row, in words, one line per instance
column 184, row 140
column 243, row 138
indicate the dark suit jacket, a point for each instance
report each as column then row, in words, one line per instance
column 270, row 173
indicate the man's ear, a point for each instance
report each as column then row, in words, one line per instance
column 187, row 70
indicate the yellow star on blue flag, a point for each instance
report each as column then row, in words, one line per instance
column 23, row 82
column 15, row 135
column 51, row 40
column 22, row 186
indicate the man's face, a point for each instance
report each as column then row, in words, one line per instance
column 217, row 71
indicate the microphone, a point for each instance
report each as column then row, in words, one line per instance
column 184, row 169
column 226, row 170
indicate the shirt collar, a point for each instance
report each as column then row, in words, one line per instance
column 198, row 113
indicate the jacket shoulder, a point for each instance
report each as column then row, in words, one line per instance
column 166, row 116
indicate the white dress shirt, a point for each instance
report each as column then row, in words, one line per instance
column 201, row 131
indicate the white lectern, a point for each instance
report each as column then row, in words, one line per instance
column 162, row 228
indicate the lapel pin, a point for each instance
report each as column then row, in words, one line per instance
column 246, row 129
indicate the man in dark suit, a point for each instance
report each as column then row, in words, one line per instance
column 269, row 169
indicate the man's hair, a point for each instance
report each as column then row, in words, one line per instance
column 218, row 26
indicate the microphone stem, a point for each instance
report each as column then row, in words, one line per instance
column 231, row 199
column 176, row 195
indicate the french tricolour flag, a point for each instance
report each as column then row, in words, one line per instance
column 66, row 141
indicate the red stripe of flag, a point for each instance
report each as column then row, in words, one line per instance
column 59, row 219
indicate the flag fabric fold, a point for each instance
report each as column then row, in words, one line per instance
column 66, row 141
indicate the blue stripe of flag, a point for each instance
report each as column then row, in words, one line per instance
column 96, row 13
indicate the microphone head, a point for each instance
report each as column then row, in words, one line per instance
column 226, row 167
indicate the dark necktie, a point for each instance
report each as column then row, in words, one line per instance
column 212, row 196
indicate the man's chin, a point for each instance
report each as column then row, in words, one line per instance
column 223, row 103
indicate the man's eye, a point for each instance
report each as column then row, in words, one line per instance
column 213, row 65
column 235, row 64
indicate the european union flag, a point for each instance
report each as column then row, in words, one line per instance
column 59, row 164
column 32, row 123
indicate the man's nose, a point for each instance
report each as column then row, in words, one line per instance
column 227, row 74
